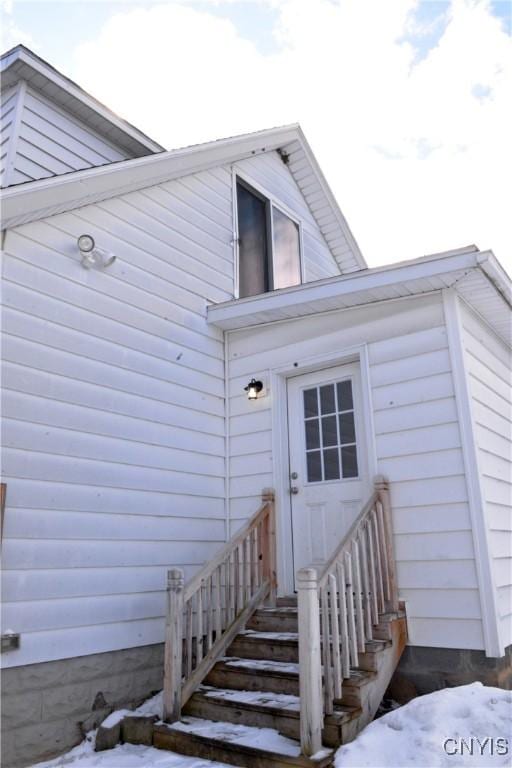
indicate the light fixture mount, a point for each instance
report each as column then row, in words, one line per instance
column 92, row 256
column 85, row 243
column 253, row 389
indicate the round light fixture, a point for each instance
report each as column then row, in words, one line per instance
column 85, row 243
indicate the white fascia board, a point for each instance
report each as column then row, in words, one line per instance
column 75, row 92
column 226, row 315
column 36, row 199
column 322, row 181
column 492, row 268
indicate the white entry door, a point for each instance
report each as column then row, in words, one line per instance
column 328, row 463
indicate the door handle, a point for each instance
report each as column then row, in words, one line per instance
column 294, row 490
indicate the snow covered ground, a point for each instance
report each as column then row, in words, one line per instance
column 428, row 732
column 127, row 755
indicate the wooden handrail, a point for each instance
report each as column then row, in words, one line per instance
column 323, row 575
column 342, row 602
column 219, row 558
column 204, row 616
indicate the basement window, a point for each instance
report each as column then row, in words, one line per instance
column 269, row 251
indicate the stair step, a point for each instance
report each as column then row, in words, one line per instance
column 273, row 646
column 240, row 745
column 289, row 600
column 278, row 677
column 265, row 710
column 283, row 619
column 284, row 646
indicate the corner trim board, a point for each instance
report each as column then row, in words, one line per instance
column 12, row 148
column 476, row 503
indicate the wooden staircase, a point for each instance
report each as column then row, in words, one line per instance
column 257, row 684
column 257, row 679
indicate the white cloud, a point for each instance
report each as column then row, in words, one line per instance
column 418, row 154
column 10, row 33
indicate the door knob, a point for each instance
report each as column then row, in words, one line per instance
column 294, row 490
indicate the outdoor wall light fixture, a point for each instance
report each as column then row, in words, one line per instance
column 92, row 256
column 253, row 389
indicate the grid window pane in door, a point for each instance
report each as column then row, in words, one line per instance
column 330, row 432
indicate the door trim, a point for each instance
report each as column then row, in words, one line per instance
column 280, row 448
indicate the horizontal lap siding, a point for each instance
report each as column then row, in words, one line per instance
column 53, row 142
column 114, row 415
column 417, row 441
column 490, row 377
column 271, row 174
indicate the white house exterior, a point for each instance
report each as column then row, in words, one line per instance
column 129, row 444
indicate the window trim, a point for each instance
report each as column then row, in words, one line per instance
column 272, row 201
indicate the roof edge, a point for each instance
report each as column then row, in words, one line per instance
column 33, row 200
column 332, row 200
column 223, row 314
column 64, row 83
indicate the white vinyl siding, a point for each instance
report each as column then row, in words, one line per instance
column 113, row 404
column 270, row 173
column 50, row 142
column 489, row 366
column 417, row 444
column 113, row 440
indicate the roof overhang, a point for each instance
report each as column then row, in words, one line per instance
column 477, row 275
column 22, row 64
column 46, row 197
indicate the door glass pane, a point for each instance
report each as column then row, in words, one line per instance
column 329, row 431
column 345, row 402
column 310, row 402
column 312, row 434
column 349, row 461
column 331, row 464
column 330, row 434
column 314, row 461
column 327, row 403
column 252, row 243
column 286, row 252
column 347, row 428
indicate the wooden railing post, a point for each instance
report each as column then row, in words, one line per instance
column 173, row 646
column 269, row 545
column 382, row 488
column 310, row 666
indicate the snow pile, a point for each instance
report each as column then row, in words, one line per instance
column 127, row 755
column 439, row 729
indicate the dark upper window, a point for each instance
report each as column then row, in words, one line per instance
column 268, row 244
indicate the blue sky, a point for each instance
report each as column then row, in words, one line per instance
column 406, row 103
column 58, row 27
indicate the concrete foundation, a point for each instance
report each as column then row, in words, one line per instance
column 47, row 708
column 424, row 670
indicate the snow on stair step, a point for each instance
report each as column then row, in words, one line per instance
column 260, row 698
column 254, row 633
column 280, row 609
column 265, row 665
column 245, row 735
